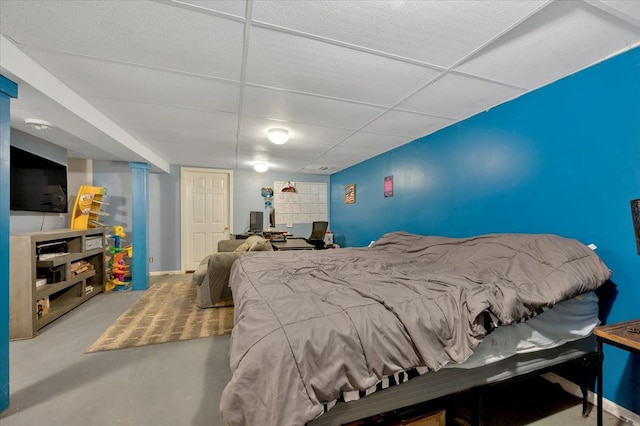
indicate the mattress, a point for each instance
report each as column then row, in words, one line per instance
column 567, row 321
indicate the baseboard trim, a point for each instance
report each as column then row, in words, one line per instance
column 610, row 407
column 157, row 273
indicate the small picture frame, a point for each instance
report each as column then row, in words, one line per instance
column 350, row 193
column 635, row 218
column 388, row 186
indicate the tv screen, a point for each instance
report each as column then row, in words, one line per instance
column 37, row 184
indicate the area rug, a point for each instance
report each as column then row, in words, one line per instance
column 167, row 312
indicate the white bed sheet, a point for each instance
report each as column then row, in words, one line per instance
column 567, row 321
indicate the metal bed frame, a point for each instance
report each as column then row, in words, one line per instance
column 448, row 381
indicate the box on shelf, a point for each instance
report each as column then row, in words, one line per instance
column 432, row 419
column 42, row 306
column 55, row 274
column 91, row 243
column 80, row 267
column 49, row 250
column 40, row 282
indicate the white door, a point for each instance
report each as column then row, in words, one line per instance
column 206, row 212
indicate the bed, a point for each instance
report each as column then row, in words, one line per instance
column 312, row 328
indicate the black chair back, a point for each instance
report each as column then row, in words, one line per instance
column 318, row 231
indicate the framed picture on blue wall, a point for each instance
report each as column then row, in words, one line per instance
column 388, row 186
column 350, row 194
column 635, row 217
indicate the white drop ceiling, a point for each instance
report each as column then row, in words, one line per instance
column 198, row 83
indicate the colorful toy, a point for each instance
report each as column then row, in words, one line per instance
column 86, row 208
column 119, row 269
column 118, row 232
column 267, row 193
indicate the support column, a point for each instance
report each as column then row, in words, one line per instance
column 8, row 90
column 140, row 238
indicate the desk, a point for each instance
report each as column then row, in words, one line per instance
column 619, row 336
column 292, row 244
column 244, row 236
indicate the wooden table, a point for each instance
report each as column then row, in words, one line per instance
column 621, row 336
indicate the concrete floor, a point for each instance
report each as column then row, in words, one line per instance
column 53, row 382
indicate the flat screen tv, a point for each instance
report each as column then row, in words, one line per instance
column 37, row 184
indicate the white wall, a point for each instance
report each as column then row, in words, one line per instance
column 79, row 172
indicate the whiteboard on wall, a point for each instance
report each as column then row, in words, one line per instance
column 307, row 205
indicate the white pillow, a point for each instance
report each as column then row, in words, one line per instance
column 242, row 247
column 257, row 243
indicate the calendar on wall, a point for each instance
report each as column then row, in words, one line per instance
column 300, row 202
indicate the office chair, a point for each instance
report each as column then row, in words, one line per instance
column 318, row 230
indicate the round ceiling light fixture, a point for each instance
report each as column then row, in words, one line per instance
column 278, row 135
column 260, row 167
column 38, row 124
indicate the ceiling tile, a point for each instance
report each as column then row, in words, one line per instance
column 436, row 32
column 236, row 7
column 220, row 158
column 342, row 157
column 149, row 33
column 300, row 134
column 198, row 139
column 458, row 96
column 552, row 44
column 265, row 151
column 373, row 142
column 134, row 113
column 286, row 106
column 168, row 73
column 306, row 144
column 300, row 64
column 290, row 167
column 408, row 124
column 247, row 160
column 104, row 79
column 321, row 169
column 630, row 8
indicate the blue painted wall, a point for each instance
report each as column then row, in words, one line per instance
column 564, row 159
column 140, row 215
column 8, row 90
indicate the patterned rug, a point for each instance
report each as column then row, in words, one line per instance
column 167, row 312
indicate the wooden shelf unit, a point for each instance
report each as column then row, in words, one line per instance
column 64, row 295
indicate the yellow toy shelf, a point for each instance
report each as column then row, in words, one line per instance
column 86, row 208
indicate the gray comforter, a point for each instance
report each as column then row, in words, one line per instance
column 312, row 324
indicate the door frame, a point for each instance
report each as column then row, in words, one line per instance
column 183, row 206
